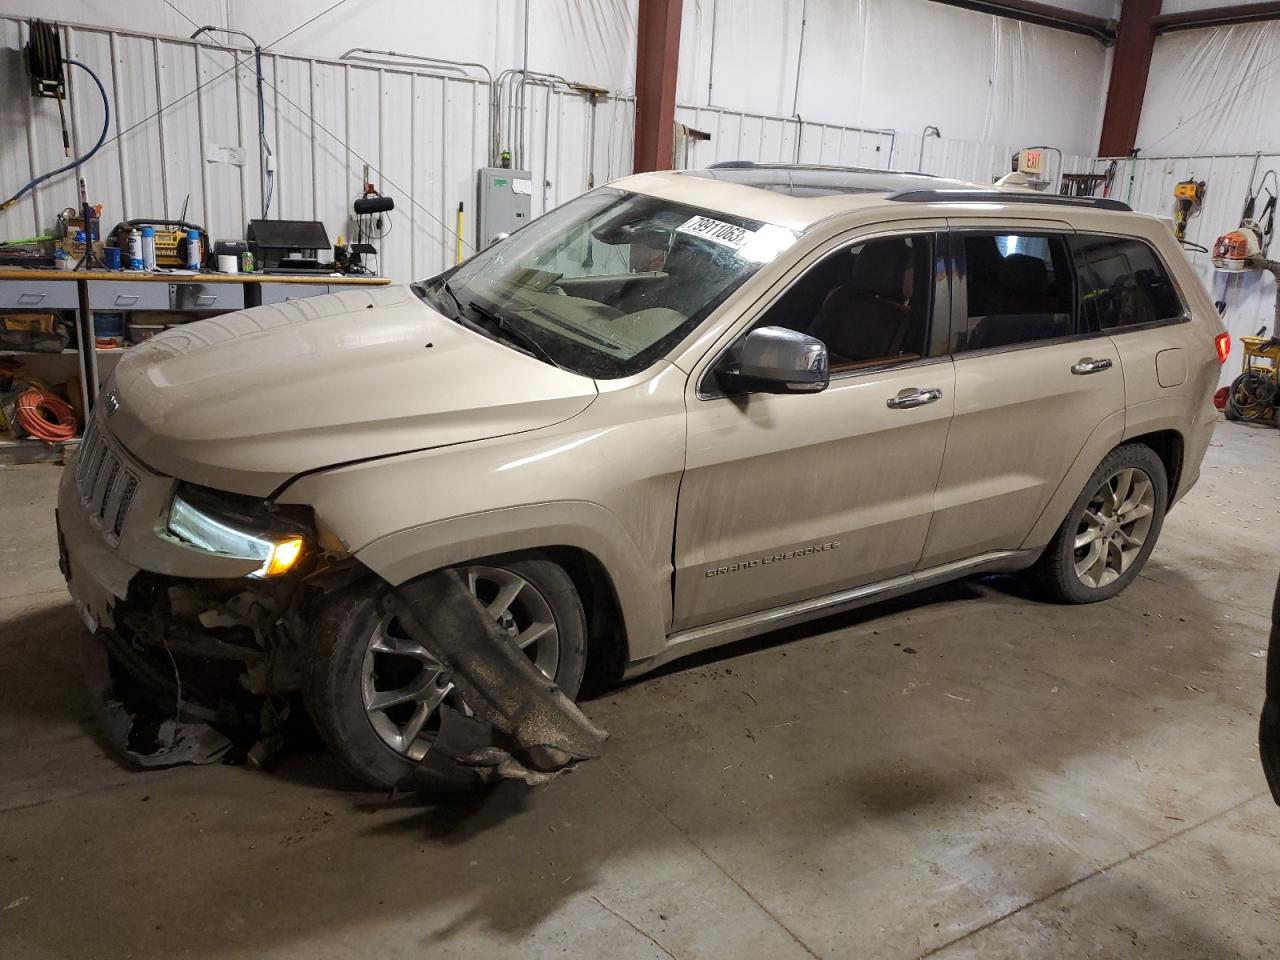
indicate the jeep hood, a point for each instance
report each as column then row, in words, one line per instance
column 245, row 401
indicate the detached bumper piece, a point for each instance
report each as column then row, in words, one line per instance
column 523, row 727
column 149, row 740
column 1269, row 728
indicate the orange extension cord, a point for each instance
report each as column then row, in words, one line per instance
column 45, row 416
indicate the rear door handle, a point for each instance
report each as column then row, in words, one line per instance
column 914, row 397
column 1089, row 365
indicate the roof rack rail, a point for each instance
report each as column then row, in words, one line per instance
column 782, row 165
column 1006, row 196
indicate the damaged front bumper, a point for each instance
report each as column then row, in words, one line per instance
column 111, row 513
column 162, row 617
column 191, row 660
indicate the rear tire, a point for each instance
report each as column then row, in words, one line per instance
column 1110, row 531
column 352, row 637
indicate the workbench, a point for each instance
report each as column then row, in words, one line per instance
column 122, row 291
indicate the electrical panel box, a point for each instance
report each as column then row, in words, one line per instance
column 503, row 203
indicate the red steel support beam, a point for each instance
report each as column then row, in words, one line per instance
column 657, row 53
column 1216, row 16
column 1044, row 14
column 1130, row 65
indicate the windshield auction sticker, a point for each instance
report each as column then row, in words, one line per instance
column 717, row 231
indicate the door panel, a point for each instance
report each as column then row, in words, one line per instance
column 1032, row 386
column 793, row 496
column 1021, row 418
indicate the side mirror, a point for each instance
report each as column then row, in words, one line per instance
column 778, row 360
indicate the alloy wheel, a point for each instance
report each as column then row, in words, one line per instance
column 1114, row 527
column 403, row 684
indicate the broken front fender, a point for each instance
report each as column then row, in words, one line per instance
column 523, row 726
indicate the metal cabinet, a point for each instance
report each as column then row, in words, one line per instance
column 39, row 295
column 128, row 295
column 280, row 292
column 149, row 295
column 206, row 296
column 269, row 292
column 22, row 294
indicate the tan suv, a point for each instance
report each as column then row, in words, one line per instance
column 678, row 410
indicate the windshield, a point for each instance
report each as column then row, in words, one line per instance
column 607, row 283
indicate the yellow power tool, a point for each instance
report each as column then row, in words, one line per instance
column 1187, row 197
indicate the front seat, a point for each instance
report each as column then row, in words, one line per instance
column 866, row 319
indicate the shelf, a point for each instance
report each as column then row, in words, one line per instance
column 36, row 353
column 35, row 451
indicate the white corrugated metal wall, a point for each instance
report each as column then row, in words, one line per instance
column 895, row 63
column 752, row 136
column 424, row 136
column 1147, row 186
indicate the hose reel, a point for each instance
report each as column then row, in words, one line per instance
column 44, row 64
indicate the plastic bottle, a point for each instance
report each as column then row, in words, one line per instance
column 193, row 250
column 134, row 260
column 149, row 249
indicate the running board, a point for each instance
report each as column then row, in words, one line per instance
column 685, row 642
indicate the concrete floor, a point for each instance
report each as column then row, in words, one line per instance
column 968, row 773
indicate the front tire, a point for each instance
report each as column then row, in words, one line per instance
column 374, row 695
column 1112, row 528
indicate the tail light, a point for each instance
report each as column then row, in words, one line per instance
column 1222, row 343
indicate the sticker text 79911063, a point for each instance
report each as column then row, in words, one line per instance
column 717, row 231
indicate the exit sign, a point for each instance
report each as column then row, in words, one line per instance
column 1031, row 162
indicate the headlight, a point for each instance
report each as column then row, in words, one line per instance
column 244, row 531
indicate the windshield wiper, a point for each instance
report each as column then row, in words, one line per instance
column 444, row 285
column 517, row 337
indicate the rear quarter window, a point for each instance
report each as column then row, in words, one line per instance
column 1123, row 282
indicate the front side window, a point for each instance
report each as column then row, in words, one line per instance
column 1123, row 283
column 609, row 282
column 869, row 303
column 1020, row 289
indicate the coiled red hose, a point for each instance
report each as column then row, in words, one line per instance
column 45, row 416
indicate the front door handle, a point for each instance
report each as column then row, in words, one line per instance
column 914, row 397
column 1089, row 365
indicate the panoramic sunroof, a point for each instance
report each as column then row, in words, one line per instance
column 802, row 181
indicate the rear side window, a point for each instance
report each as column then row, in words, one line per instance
column 1123, row 283
column 1020, row 289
